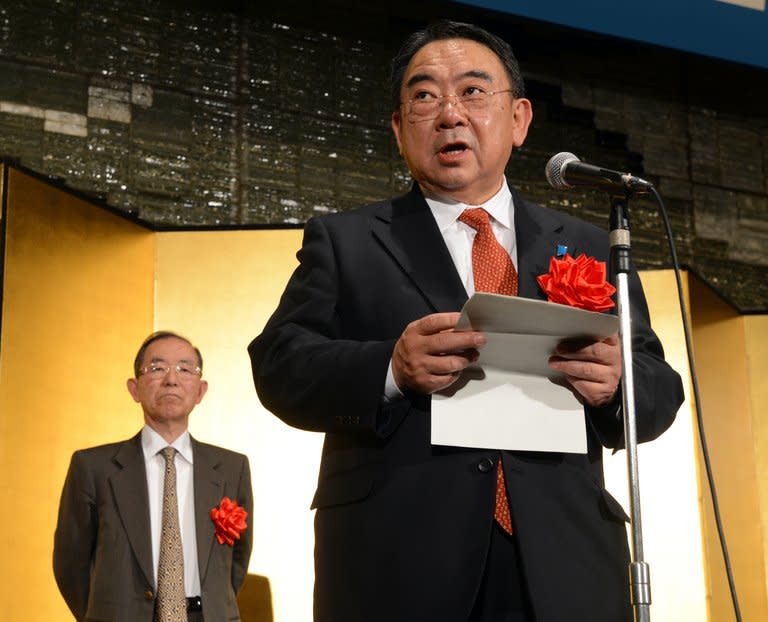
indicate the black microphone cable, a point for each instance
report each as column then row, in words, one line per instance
column 697, row 402
column 565, row 164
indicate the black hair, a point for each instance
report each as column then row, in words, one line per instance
column 446, row 29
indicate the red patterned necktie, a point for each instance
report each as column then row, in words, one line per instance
column 494, row 272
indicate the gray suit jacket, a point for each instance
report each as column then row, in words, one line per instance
column 102, row 556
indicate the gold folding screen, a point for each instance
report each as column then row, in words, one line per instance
column 77, row 298
column 732, row 352
column 83, row 286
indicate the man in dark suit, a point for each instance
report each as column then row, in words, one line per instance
column 111, row 524
column 363, row 335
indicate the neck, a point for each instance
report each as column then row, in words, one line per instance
column 467, row 197
column 170, row 431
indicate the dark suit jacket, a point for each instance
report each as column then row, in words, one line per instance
column 102, row 555
column 402, row 527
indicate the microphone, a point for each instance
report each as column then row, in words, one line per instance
column 565, row 171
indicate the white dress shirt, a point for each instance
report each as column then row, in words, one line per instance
column 459, row 237
column 152, row 443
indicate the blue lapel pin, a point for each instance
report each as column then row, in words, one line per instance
column 562, row 249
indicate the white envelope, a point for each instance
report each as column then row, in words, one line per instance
column 510, row 398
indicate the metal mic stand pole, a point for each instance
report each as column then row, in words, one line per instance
column 639, row 571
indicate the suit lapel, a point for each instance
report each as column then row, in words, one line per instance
column 537, row 233
column 129, row 486
column 411, row 236
column 209, row 489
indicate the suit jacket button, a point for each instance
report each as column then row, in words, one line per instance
column 149, row 595
column 485, row 465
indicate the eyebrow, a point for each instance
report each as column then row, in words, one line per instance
column 160, row 359
column 472, row 73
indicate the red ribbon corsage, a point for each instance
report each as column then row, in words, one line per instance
column 578, row 282
column 229, row 520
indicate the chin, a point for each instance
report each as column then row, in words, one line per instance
column 450, row 183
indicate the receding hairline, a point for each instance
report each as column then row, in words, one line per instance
column 159, row 336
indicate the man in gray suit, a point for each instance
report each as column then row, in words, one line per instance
column 108, row 536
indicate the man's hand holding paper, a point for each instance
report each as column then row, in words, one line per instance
column 591, row 367
column 539, row 362
column 430, row 355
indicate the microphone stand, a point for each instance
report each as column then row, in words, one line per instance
column 639, row 571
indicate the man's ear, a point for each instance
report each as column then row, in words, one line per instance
column 396, row 126
column 522, row 111
column 201, row 391
column 133, row 389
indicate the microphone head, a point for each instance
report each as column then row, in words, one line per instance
column 554, row 170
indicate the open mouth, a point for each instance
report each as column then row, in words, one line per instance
column 453, row 148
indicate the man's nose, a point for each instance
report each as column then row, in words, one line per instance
column 171, row 376
column 451, row 112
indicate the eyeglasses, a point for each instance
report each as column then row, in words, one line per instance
column 426, row 106
column 185, row 371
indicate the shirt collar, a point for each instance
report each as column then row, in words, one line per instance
column 446, row 211
column 152, row 443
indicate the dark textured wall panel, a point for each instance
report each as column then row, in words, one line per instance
column 238, row 113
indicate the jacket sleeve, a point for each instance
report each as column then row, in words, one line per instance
column 75, row 536
column 305, row 368
column 241, row 553
column 658, row 387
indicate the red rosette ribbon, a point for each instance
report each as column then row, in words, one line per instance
column 578, row 282
column 229, row 520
